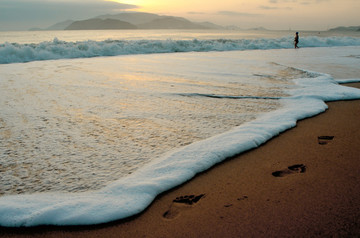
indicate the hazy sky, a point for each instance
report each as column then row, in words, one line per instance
column 272, row 14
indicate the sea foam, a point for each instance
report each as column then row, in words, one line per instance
column 58, row 49
column 132, row 194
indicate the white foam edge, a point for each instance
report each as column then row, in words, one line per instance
column 131, row 195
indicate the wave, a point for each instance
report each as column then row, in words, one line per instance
column 58, row 49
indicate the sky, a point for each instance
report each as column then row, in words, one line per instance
column 271, row 14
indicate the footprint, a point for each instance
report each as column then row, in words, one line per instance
column 297, row 168
column 189, row 200
column 181, row 203
column 323, row 140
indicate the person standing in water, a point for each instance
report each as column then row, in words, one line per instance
column 296, row 40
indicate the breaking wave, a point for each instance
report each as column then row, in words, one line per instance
column 58, row 49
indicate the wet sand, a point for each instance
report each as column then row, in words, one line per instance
column 303, row 183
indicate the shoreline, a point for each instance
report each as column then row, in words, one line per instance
column 319, row 196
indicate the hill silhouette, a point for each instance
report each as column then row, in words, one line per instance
column 132, row 20
column 100, row 24
column 169, row 22
column 344, row 28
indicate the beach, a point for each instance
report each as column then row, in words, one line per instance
column 188, row 138
column 229, row 120
column 303, row 183
column 147, row 119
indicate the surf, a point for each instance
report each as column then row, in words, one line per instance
column 59, row 49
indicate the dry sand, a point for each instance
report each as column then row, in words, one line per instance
column 243, row 198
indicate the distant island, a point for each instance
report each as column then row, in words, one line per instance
column 143, row 20
column 131, row 20
column 100, row 24
column 343, row 28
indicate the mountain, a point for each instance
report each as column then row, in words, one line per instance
column 131, row 20
column 135, row 18
column 60, row 25
column 210, row 25
column 56, row 27
column 344, row 28
column 153, row 21
column 258, row 29
column 168, row 22
column 100, row 24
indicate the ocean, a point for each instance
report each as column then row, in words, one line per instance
column 103, row 121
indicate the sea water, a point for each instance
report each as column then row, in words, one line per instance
column 83, row 133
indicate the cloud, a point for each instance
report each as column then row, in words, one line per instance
column 196, row 13
column 232, row 13
column 274, row 8
column 309, row 2
column 297, row 1
column 268, row 8
column 284, row 4
column 224, row 13
column 23, row 14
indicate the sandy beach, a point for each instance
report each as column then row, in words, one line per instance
column 303, row 183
